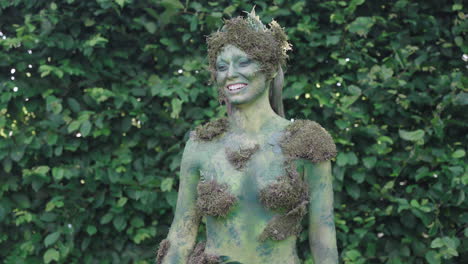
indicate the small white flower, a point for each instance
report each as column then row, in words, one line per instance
column 13, row 71
column 78, row 135
column 338, row 84
column 347, row 59
column 70, row 226
column 15, row 89
column 30, row 51
column 379, row 235
column 465, row 57
column 180, row 71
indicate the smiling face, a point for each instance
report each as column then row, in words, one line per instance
column 238, row 76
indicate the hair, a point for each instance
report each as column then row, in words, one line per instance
column 265, row 45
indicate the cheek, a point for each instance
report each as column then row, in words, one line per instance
column 218, row 77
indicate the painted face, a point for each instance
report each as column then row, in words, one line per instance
column 238, row 76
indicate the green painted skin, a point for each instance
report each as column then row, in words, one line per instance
column 252, row 122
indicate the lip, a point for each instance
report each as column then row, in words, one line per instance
column 235, row 87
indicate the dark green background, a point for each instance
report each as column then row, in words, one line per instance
column 91, row 133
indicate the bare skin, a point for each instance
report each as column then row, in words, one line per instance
column 252, row 122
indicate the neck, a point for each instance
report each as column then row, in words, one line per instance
column 251, row 117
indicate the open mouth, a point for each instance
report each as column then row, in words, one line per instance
column 236, row 86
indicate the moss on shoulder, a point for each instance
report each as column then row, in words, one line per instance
column 211, row 129
column 239, row 157
column 214, row 199
column 308, row 140
column 162, row 250
column 198, row 256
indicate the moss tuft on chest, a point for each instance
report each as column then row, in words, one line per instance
column 214, row 199
column 211, row 129
column 285, row 194
column 239, row 157
column 305, row 139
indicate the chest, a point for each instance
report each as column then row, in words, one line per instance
column 245, row 165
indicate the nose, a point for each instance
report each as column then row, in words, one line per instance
column 232, row 72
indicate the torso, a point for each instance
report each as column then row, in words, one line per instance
column 237, row 235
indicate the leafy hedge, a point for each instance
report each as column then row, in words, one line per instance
column 97, row 98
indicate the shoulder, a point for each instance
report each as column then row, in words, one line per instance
column 210, row 130
column 307, row 139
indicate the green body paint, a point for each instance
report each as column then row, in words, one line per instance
column 254, row 175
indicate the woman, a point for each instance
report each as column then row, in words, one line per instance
column 254, row 175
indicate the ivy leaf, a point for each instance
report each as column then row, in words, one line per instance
column 85, row 128
column 172, row 4
column 106, row 218
column 332, row 40
column 361, row 26
column 74, row 126
column 41, row 170
column 50, row 255
column 120, row 223
column 166, row 184
column 459, row 153
column 121, row 3
column 353, row 190
column 122, row 201
column 432, row 257
column 415, row 135
column 91, row 230
column 176, row 107
column 369, row 162
column 51, row 239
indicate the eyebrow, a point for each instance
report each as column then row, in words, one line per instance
column 235, row 57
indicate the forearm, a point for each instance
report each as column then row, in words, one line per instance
column 182, row 237
column 322, row 233
column 323, row 246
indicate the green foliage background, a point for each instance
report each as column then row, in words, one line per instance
column 105, row 92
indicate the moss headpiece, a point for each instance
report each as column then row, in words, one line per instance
column 266, row 45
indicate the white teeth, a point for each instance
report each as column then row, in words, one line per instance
column 236, row 86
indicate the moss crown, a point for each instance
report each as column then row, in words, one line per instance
column 266, row 45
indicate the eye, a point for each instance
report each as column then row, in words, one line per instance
column 244, row 62
column 221, row 67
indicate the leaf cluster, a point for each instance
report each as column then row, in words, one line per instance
column 98, row 97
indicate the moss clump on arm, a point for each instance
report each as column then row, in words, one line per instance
column 199, row 256
column 211, row 129
column 238, row 158
column 162, row 250
column 306, row 139
column 214, row 199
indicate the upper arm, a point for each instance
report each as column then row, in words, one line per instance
column 322, row 235
column 184, row 228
